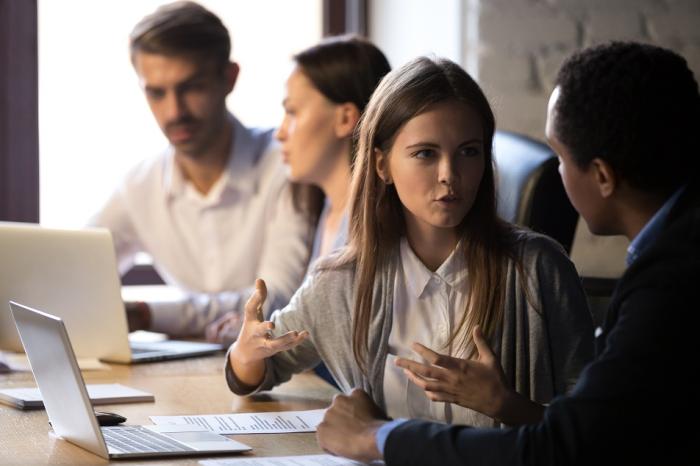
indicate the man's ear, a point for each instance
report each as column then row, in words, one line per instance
column 231, row 71
column 605, row 177
column 347, row 116
column 382, row 166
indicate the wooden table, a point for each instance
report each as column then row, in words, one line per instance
column 189, row 386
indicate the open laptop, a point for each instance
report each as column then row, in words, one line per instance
column 68, row 406
column 74, row 273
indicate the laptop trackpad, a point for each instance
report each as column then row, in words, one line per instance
column 206, row 441
column 199, row 438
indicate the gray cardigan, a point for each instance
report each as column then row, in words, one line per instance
column 542, row 348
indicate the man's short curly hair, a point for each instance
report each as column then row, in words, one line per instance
column 635, row 106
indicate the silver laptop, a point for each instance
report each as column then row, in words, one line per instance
column 68, row 406
column 74, row 273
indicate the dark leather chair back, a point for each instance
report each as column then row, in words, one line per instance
column 529, row 189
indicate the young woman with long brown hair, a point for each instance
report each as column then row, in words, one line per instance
column 428, row 261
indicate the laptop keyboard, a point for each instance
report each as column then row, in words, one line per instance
column 137, row 439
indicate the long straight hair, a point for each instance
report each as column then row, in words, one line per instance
column 376, row 214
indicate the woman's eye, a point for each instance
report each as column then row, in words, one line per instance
column 423, row 154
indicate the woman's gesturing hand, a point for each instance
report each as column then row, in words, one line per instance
column 478, row 383
column 255, row 341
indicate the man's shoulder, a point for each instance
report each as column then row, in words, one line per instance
column 147, row 171
column 657, row 296
column 267, row 149
column 260, row 152
column 259, row 140
column 264, row 135
column 672, row 263
column 679, row 243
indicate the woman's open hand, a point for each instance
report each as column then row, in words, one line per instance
column 477, row 384
column 255, row 341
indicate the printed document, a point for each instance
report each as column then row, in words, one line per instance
column 250, row 423
column 307, row 460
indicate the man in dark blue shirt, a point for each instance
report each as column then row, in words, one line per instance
column 624, row 120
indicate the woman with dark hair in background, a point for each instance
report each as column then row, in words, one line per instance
column 326, row 93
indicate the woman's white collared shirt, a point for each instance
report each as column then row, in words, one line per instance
column 428, row 306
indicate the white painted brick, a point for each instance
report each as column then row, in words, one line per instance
column 684, row 6
column 506, row 71
column 548, row 66
column 519, row 29
column 518, row 112
column 584, row 8
column 603, row 26
column 516, row 5
column 674, row 30
column 692, row 56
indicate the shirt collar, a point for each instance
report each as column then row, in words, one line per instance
column 453, row 271
column 652, row 229
column 246, row 152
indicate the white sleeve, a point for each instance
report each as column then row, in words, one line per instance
column 115, row 217
column 285, row 253
column 190, row 315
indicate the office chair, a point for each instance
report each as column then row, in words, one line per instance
column 529, row 189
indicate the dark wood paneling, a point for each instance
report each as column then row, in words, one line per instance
column 19, row 124
column 344, row 16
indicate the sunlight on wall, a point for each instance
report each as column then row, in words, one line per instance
column 94, row 123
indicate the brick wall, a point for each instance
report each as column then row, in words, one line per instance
column 515, row 47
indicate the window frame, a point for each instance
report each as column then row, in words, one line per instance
column 344, row 17
column 19, row 116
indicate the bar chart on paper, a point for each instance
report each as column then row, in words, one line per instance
column 250, row 423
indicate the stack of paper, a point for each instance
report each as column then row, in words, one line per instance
column 100, row 394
